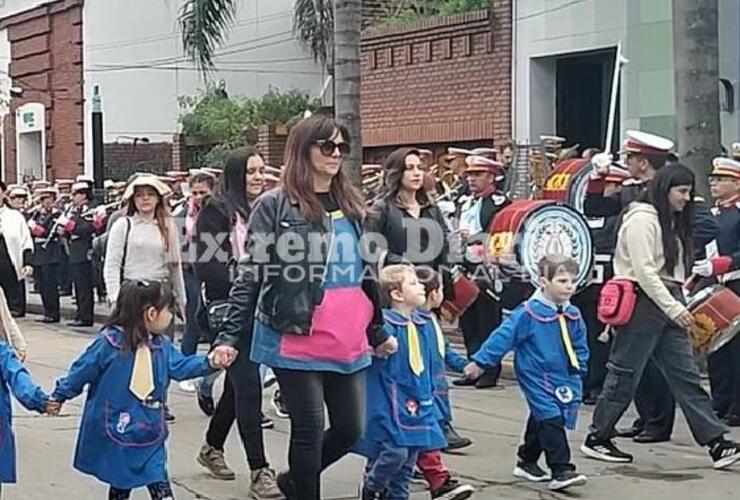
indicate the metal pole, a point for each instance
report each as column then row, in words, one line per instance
column 97, row 144
column 618, row 62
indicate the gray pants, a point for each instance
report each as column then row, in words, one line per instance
column 651, row 335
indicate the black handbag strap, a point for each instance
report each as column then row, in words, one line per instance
column 125, row 246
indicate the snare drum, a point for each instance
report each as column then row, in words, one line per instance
column 525, row 231
column 716, row 312
column 466, row 292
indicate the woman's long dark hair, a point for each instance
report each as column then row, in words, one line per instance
column 134, row 298
column 232, row 188
column 394, row 167
column 297, row 179
column 673, row 225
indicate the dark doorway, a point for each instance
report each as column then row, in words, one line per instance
column 582, row 98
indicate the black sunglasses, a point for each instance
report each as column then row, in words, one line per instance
column 327, row 147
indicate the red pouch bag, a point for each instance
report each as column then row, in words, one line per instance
column 617, row 300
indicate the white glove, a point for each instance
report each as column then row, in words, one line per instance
column 703, row 268
column 31, row 224
column 62, row 221
column 601, row 162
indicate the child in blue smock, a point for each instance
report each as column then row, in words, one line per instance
column 441, row 483
column 402, row 418
column 128, row 368
column 548, row 337
column 14, row 379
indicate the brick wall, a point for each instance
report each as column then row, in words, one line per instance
column 438, row 82
column 46, row 62
column 271, row 143
column 121, row 160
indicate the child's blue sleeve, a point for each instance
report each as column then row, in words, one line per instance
column 25, row 390
column 85, row 370
column 580, row 344
column 453, row 359
column 183, row 367
column 502, row 340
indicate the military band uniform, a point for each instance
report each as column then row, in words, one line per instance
column 724, row 365
column 46, row 259
column 80, row 264
column 484, row 315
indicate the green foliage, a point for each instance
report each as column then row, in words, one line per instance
column 204, row 25
column 212, row 117
column 402, row 12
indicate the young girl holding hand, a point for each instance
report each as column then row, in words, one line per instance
column 128, row 367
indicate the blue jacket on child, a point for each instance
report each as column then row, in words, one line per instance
column 444, row 356
column 121, row 438
column 14, row 378
column 400, row 404
column 546, row 377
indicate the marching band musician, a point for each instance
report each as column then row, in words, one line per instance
column 603, row 232
column 724, row 364
column 477, row 212
column 47, row 253
column 79, row 231
column 18, row 199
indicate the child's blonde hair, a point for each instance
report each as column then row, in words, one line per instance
column 391, row 279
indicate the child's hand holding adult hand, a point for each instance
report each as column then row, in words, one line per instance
column 472, row 371
column 53, row 407
column 222, row 356
column 387, row 348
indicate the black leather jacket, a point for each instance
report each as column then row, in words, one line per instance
column 283, row 293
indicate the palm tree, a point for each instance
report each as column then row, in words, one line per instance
column 696, row 61
column 347, row 30
column 313, row 24
column 204, row 25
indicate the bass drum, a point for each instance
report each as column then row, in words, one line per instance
column 567, row 183
column 524, row 231
column 716, row 312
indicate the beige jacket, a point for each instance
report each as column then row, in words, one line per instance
column 639, row 257
column 9, row 331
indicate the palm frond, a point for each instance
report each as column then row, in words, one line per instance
column 204, row 24
column 313, row 24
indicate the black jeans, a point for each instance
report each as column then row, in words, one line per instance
column 547, row 436
column 477, row 323
column 47, row 278
column 241, row 400
column 82, row 277
column 313, row 449
column 13, row 287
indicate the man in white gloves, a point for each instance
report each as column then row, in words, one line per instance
column 724, row 365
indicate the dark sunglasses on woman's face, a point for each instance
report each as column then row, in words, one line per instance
column 327, row 147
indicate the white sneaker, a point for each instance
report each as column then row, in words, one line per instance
column 188, row 386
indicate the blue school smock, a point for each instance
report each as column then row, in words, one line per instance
column 550, row 385
column 121, row 440
column 451, row 359
column 15, row 379
column 337, row 341
column 400, row 405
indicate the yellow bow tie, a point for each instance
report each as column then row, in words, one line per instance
column 415, row 360
column 440, row 337
column 565, row 335
column 142, row 377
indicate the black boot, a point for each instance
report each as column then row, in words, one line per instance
column 454, row 440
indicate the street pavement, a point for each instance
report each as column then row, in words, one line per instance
column 679, row 470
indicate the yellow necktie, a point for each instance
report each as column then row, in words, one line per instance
column 440, row 337
column 566, row 341
column 142, row 378
column 415, row 361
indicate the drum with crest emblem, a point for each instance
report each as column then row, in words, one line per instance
column 524, row 231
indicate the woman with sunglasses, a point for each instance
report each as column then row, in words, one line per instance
column 300, row 284
column 221, row 232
